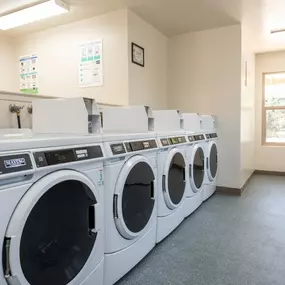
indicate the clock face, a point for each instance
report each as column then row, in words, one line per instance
column 138, row 55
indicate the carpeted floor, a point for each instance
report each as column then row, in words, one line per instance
column 227, row 241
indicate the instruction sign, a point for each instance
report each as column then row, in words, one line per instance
column 91, row 64
column 28, row 66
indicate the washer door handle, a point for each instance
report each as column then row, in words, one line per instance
column 91, row 219
column 94, row 219
column 163, row 183
column 207, row 162
column 115, row 206
column 152, row 190
column 190, row 170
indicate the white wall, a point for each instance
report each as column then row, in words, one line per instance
column 147, row 85
column 205, row 76
column 269, row 158
column 9, row 80
column 247, row 116
column 58, row 53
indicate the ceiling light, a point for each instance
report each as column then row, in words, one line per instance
column 277, row 31
column 32, row 14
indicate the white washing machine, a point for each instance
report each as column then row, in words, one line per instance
column 51, row 208
column 130, row 201
column 211, row 155
column 172, row 181
column 196, row 169
column 195, row 161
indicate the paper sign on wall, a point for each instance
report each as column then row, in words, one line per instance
column 29, row 74
column 91, row 64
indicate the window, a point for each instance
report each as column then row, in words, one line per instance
column 274, row 108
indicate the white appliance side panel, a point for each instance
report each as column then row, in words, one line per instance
column 130, row 119
column 63, row 116
column 9, row 199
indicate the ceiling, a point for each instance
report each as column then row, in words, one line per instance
column 182, row 16
column 174, row 17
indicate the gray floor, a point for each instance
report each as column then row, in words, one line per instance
column 228, row 240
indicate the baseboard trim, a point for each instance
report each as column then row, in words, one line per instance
column 228, row 191
column 234, row 191
column 244, row 187
column 267, row 172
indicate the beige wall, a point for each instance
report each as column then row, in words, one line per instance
column 205, row 77
column 124, row 82
column 58, row 53
column 267, row 157
column 148, row 85
column 247, row 116
column 9, row 80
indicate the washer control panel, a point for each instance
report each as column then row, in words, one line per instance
column 211, row 136
column 15, row 163
column 61, row 156
column 172, row 141
column 121, row 148
column 177, row 140
column 196, row 138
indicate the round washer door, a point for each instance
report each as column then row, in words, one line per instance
column 212, row 161
column 134, row 197
column 197, row 168
column 173, row 179
column 53, row 230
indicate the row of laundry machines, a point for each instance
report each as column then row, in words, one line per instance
column 85, row 209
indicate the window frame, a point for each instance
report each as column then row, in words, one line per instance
column 265, row 108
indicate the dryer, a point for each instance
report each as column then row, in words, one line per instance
column 172, row 182
column 211, row 155
column 196, row 169
column 130, row 201
column 195, row 154
column 51, row 208
column 171, row 169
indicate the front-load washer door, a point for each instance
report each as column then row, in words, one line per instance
column 173, row 179
column 212, row 161
column 197, row 168
column 53, row 231
column 134, row 197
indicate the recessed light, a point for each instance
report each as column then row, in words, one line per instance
column 32, row 14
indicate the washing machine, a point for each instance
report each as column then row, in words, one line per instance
column 196, row 168
column 51, row 208
column 130, row 201
column 211, row 155
column 195, row 154
column 172, row 181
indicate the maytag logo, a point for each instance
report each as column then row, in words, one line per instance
column 12, row 163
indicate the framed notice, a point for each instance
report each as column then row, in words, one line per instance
column 138, row 55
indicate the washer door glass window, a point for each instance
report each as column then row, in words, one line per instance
column 176, row 178
column 198, row 168
column 138, row 197
column 213, row 160
column 57, row 238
